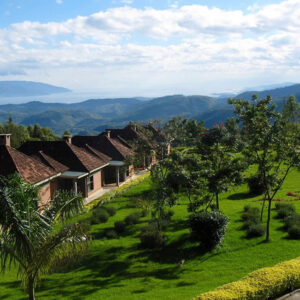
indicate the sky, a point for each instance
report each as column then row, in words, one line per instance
column 125, row 48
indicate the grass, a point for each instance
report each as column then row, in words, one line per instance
column 120, row 269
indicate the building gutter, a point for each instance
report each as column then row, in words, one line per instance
column 46, row 180
column 97, row 169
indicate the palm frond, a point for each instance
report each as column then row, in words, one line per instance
column 66, row 205
column 64, row 246
column 13, row 233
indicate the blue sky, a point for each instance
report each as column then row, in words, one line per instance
column 150, row 47
column 14, row 11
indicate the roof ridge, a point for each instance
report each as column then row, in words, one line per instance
column 89, row 155
column 11, row 157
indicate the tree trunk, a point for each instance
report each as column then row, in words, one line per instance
column 268, row 220
column 262, row 208
column 217, row 201
column 31, row 293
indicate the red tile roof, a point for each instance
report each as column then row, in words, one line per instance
column 109, row 146
column 52, row 163
column 75, row 158
column 102, row 156
column 30, row 169
column 132, row 133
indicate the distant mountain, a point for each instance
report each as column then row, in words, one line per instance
column 215, row 116
column 268, row 87
column 28, row 88
column 59, row 121
column 165, row 107
column 95, row 115
column 283, row 92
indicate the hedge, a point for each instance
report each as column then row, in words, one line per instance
column 107, row 197
column 266, row 283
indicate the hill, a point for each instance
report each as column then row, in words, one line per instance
column 163, row 108
column 28, row 88
column 94, row 115
column 283, row 92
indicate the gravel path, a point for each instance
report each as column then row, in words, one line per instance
column 291, row 296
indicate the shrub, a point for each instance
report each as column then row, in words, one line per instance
column 255, row 230
column 168, row 214
column 110, row 233
column 294, row 232
column 151, row 237
column 111, row 210
column 284, row 210
column 99, row 215
column 246, row 208
column 251, row 215
column 255, row 185
column 144, row 213
column 292, row 219
column 163, row 223
column 266, row 283
column 132, row 219
column 208, row 227
column 120, row 226
column 85, row 222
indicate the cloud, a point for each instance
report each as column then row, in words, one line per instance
column 193, row 39
column 59, row 1
column 8, row 71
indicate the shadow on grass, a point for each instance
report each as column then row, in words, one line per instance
column 13, row 286
column 109, row 267
column 184, row 283
column 241, row 196
column 139, row 291
column 176, row 225
column 184, row 248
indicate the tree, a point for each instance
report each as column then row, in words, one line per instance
column 162, row 193
column 185, row 175
column 183, row 132
column 37, row 131
column 66, row 132
column 19, row 133
column 176, row 131
column 221, row 167
column 272, row 141
column 29, row 238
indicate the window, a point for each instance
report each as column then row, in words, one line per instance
column 90, row 183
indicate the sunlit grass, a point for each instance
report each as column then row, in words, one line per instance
column 120, row 269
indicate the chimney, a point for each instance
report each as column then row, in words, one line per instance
column 5, row 139
column 67, row 138
column 108, row 133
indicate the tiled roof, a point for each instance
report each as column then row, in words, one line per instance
column 130, row 134
column 75, row 158
column 52, row 163
column 123, row 141
column 105, row 158
column 109, row 146
column 30, row 169
column 89, row 160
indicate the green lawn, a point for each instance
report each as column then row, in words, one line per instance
column 119, row 269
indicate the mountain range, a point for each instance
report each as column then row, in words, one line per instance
column 94, row 115
column 28, row 88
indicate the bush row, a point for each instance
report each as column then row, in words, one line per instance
column 252, row 223
column 107, row 197
column 266, row 283
column 101, row 214
column 290, row 218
